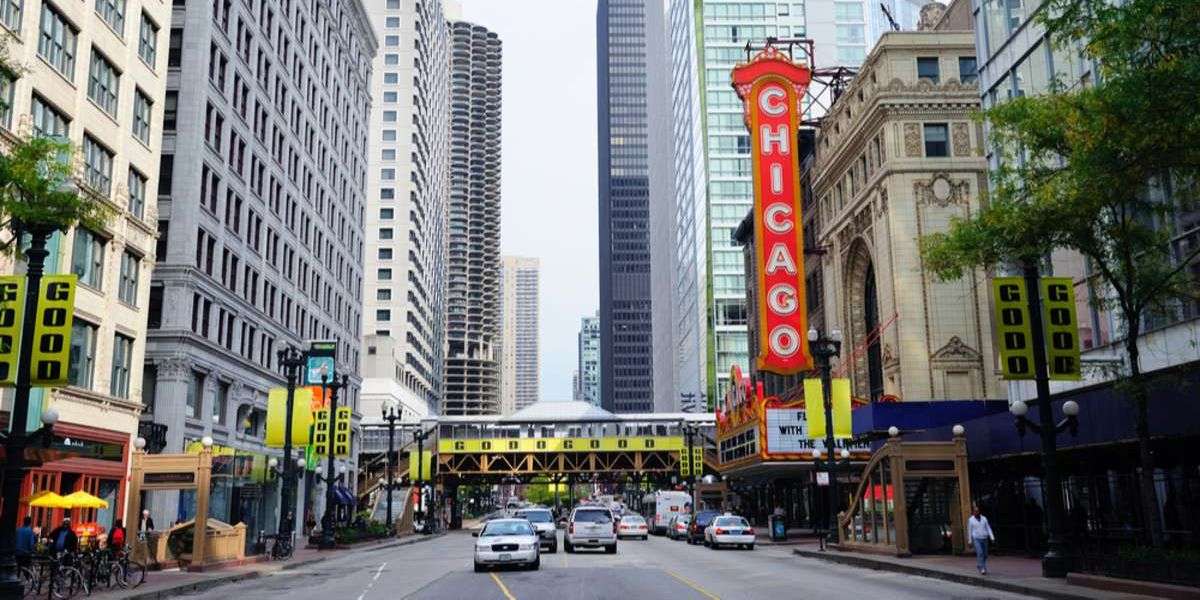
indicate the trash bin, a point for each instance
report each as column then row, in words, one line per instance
column 778, row 528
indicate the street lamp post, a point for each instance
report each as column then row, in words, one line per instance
column 823, row 350
column 328, row 520
column 689, row 429
column 420, row 435
column 18, row 438
column 291, row 360
column 391, row 414
column 1056, row 561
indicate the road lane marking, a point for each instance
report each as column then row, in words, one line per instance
column 689, row 583
column 503, row 588
column 379, row 572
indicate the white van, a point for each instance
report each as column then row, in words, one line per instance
column 667, row 504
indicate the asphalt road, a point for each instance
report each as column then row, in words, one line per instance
column 441, row 569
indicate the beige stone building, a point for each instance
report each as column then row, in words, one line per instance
column 898, row 156
column 94, row 74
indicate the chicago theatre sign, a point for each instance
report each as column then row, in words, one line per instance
column 771, row 87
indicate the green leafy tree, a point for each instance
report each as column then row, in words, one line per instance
column 38, row 192
column 1104, row 170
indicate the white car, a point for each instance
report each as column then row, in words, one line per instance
column 729, row 530
column 632, row 526
column 543, row 522
column 590, row 527
column 507, row 542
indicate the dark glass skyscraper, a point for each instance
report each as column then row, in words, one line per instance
column 626, row 380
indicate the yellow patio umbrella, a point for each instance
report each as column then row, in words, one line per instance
column 48, row 499
column 82, row 499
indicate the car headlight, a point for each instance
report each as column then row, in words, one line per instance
column 528, row 546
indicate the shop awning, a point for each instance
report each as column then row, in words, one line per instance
column 342, row 495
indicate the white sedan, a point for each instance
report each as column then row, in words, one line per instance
column 729, row 530
column 507, row 542
column 632, row 526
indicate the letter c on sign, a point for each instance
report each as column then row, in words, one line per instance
column 784, row 341
column 772, row 220
column 767, row 101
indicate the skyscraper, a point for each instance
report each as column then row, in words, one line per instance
column 472, row 368
column 262, row 189
column 624, row 205
column 407, row 193
column 589, row 360
column 519, row 332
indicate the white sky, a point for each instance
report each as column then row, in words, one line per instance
column 548, row 182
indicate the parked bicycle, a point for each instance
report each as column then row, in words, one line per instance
column 282, row 547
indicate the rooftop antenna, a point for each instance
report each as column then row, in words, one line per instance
column 887, row 13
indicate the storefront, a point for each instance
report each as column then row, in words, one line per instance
column 243, row 490
column 83, row 458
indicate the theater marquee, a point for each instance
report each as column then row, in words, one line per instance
column 771, row 87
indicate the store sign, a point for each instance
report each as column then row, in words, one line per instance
column 187, row 477
column 771, row 87
column 1061, row 327
column 52, row 332
column 814, row 408
column 302, row 416
column 12, row 313
column 1013, row 332
column 787, row 433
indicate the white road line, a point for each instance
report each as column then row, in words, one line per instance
column 378, row 572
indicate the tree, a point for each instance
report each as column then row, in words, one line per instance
column 1103, row 170
column 38, row 193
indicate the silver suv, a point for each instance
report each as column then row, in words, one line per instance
column 591, row 527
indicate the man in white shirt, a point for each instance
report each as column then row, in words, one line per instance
column 979, row 531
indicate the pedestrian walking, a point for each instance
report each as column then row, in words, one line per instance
column 980, row 533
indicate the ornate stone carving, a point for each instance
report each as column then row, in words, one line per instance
column 175, row 367
column 961, row 138
column 882, row 205
column 956, row 350
column 912, row 140
column 889, row 357
column 941, row 191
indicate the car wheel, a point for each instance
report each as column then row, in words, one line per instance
column 749, row 546
column 568, row 547
column 610, row 549
column 645, row 537
column 537, row 563
column 554, row 549
column 479, row 568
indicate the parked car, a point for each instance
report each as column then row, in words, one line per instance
column 632, row 526
column 678, row 527
column 543, row 522
column 729, row 530
column 507, row 542
column 695, row 530
column 591, row 527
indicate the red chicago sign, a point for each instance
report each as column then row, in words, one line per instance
column 771, row 87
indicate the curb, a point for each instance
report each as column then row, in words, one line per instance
column 207, row 584
column 879, row 565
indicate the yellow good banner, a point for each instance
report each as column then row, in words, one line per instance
column 1061, row 328
column 814, row 408
column 698, row 460
column 685, row 463
column 1013, row 333
column 842, row 425
column 302, row 417
column 341, row 432
column 52, row 332
column 600, row 444
column 12, row 313
column 320, row 439
column 426, row 466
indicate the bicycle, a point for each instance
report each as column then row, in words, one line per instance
column 65, row 579
column 129, row 572
column 283, row 546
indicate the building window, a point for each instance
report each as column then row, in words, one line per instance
column 10, row 14
column 383, row 294
column 137, row 193
column 850, row 34
column 47, row 121
column 170, row 110
column 222, row 400
column 175, row 47
column 847, row 11
column 121, row 361
column 87, row 258
column 383, row 315
column 148, row 41
column 195, row 395
column 80, row 371
column 385, row 233
column 127, row 289
column 113, row 13
column 57, row 41
column 968, row 71
column 141, row 116
column 384, row 274
column 385, row 254
column 927, row 68
column 387, row 214
column 149, row 385
column 97, row 165
column 7, row 89
column 936, row 140
column 103, row 83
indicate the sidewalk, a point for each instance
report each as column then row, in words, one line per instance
column 171, row 583
column 1006, row 573
column 795, row 537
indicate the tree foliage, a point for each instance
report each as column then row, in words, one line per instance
column 38, row 191
column 1105, row 169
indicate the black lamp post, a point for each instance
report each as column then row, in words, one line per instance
column 420, row 435
column 291, row 361
column 18, row 438
column 329, row 519
column 391, row 414
column 689, row 429
column 823, row 350
column 1056, row 561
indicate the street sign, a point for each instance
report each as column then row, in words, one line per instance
column 1013, row 332
column 12, row 313
column 321, row 355
column 1062, row 329
column 822, row 477
column 52, row 332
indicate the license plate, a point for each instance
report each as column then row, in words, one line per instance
column 505, row 557
column 593, row 541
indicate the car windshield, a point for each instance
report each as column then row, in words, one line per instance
column 704, row 517
column 731, row 522
column 685, row 520
column 592, row 516
column 632, row 520
column 537, row 516
column 496, row 528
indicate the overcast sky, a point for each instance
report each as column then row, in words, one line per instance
column 548, row 185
